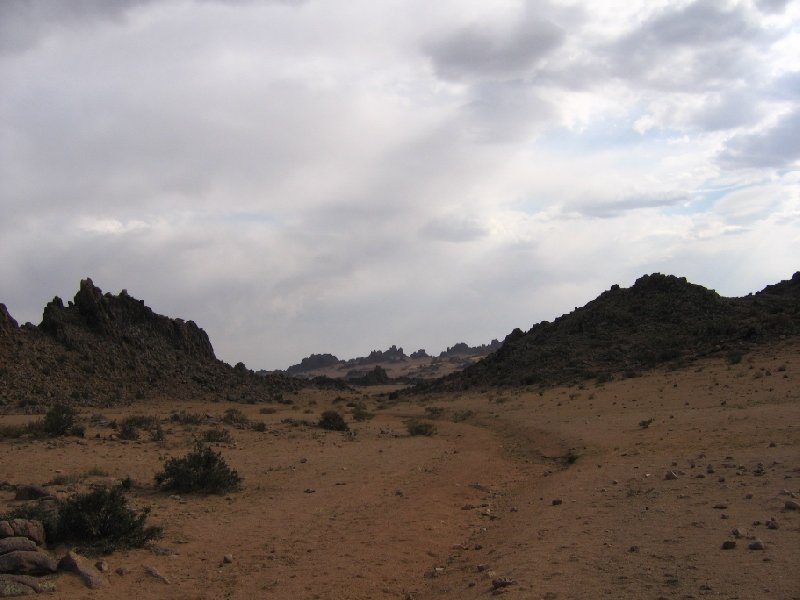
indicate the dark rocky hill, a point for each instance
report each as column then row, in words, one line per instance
column 659, row 320
column 107, row 349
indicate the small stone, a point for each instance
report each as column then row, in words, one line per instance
column 633, row 549
column 720, row 506
column 101, row 566
column 227, row 559
column 772, row 524
column 154, row 573
column 122, row 571
column 739, row 533
column 670, row 476
column 756, row 544
column 309, row 490
column 728, row 545
column 748, row 496
column 557, row 501
column 791, row 505
column 502, row 582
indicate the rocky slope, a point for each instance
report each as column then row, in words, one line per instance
column 661, row 319
column 106, row 349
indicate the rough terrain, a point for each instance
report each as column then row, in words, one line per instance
column 653, row 474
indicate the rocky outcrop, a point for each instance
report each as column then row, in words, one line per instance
column 7, row 323
column 12, row 586
column 659, row 320
column 112, row 349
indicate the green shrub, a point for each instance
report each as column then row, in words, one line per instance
column 218, row 435
column 417, row 427
column 360, row 413
column 202, row 470
column 235, row 417
column 59, row 420
column 434, row 412
column 184, row 418
column 97, row 522
column 462, row 415
column 332, row 421
column 100, row 522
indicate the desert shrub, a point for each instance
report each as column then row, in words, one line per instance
column 604, row 377
column 129, row 427
column 59, row 420
column 360, row 412
column 217, row 435
column 462, row 415
column 184, row 418
column 14, row 431
column 734, row 357
column 101, row 521
column 202, row 470
column 235, row 417
column 417, row 427
column 267, row 410
column 434, row 412
column 332, row 421
column 260, row 426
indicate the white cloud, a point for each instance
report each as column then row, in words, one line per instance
column 305, row 177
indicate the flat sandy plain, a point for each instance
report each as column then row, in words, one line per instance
column 384, row 515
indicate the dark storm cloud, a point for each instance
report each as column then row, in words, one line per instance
column 776, row 147
column 480, row 52
column 24, row 22
column 694, row 47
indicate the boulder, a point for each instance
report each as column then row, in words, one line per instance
column 30, row 492
column 33, row 530
column 88, row 573
column 10, row 544
column 12, row 586
column 27, row 562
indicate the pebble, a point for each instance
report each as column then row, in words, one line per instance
column 791, row 505
column 227, row 559
column 557, row 501
column 728, row 545
column 756, row 544
column 670, row 475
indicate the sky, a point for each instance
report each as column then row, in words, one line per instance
column 321, row 176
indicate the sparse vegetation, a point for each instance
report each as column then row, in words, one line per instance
column 200, row 471
column 58, row 421
column 462, row 415
column 236, row 418
column 217, row 435
column 360, row 412
column 417, row 427
column 101, row 521
column 184, row 418
column 333, row 421
column 96, row 522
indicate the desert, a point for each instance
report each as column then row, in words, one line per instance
column 677, row 481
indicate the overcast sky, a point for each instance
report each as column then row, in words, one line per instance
column 340, row 176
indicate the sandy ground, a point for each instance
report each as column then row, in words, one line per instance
column 385, row 515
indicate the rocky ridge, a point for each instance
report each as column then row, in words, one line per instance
column 661, row 319
column 107, row 349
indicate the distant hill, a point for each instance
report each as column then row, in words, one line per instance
column 659, row 320
column 107, row 349
column 418, row 365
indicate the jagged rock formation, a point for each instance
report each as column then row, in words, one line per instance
column 660, row 319
column 107, row 349
column 312, row 362
column 462, row 349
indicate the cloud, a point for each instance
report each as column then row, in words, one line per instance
column 695, row 46
column 481, row 51
column 776, row 147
